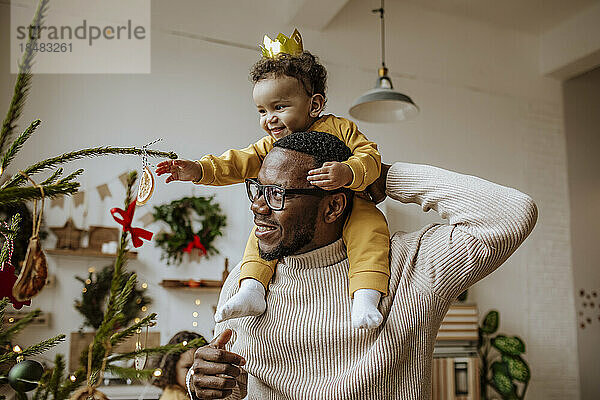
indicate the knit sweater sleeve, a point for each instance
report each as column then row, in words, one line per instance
column 486, row 224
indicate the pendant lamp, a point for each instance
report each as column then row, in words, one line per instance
column 383, row 103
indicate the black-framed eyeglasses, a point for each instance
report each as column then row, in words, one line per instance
column 275, row 195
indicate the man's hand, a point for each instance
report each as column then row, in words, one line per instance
column 377, row 188
column 180, row 170
column 215, row 369
column 332, row 175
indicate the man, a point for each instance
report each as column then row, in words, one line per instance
column 304, row 347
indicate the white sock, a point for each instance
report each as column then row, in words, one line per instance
column 248, row 301
column 365, row 314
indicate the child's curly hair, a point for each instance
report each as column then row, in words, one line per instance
column 167, row 363
column 304, row 67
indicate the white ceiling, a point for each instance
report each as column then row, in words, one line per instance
column 531, row 16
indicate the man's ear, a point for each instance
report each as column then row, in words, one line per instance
column 317, row 104
column 334, row 208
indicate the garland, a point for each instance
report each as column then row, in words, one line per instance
column 95, row 292
column 195, row 222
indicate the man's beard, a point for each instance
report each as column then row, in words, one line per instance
column 303, row 235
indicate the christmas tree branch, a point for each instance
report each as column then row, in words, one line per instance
column 53, row 177
column 128, row 332
column 70, row 385
column 3, row 304
column 42, row 346
column 13, row 227
column 6, row 336
column 23, row 82
column 18, row 179
column 17, row 144
column 71, row 176
column 21, row 194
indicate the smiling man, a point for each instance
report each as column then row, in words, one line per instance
column 304, row 346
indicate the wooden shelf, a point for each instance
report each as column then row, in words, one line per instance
column 89, row 253
column 191, row 284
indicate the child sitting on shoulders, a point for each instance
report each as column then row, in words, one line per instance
column 289, row 92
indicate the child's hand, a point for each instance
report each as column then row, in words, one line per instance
column 332, row 175
column 180, row 170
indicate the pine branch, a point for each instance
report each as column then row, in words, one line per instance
column 69, row 386
column 42, row 346
column 53, row 177
column 18, row 179
column 23, row 82
column 17, row 144
column 3, row 304
column 57, row 375
column 7, row 335
column 128, row 332
column 13, row 195
column 71, row 176
column 13, row 227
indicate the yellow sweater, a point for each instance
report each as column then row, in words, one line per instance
column 234, row 166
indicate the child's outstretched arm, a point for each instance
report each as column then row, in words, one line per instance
column 231, row 167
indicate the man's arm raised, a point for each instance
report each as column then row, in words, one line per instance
column 486, row 224
column 216, row 372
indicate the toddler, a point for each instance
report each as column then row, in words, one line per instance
column 289, row 92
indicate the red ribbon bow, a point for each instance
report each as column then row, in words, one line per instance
column 195, row 244
column 137, row 234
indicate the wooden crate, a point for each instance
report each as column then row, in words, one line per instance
column 81, row 341
column 455, row 378
column 99, row 235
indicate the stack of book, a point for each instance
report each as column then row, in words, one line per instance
column 456, row 364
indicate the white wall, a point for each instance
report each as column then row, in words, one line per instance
column 485, row 111
column 582, row 97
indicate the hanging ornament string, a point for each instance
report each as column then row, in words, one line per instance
column 34, row 273
column 146, row 187
column 37, row 220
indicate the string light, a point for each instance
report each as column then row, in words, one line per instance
column 157, row 372
column 136, row 320
column 91, row 270
column 197, row 302
column 144, row 308
column 83, row 290
column 184, row 343
column 194, row 324
column 145, row 285
column 195, row 314
column 11, row 320
column 17, row 349
column 88, row 281
column 138, row 300
column 72, row 378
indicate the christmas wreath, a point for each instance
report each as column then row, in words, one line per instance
column 195, row 222
column 95, row 292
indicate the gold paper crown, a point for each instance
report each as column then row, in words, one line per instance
column 282, row 44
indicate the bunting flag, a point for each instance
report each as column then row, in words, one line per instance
column 147, row 219
column 103, row 191
column 78, row 198
column 57, row 202
column 123, row 178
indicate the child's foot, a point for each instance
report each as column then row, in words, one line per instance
column 248, row 301
column 365, row 314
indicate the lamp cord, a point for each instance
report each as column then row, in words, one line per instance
column 382, row 18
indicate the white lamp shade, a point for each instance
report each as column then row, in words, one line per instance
column 383, row 104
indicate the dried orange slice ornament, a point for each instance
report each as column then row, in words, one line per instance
column 146, row 187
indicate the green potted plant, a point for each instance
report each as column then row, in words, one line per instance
column 503, row 370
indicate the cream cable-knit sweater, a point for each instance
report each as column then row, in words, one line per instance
column 303, row 346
